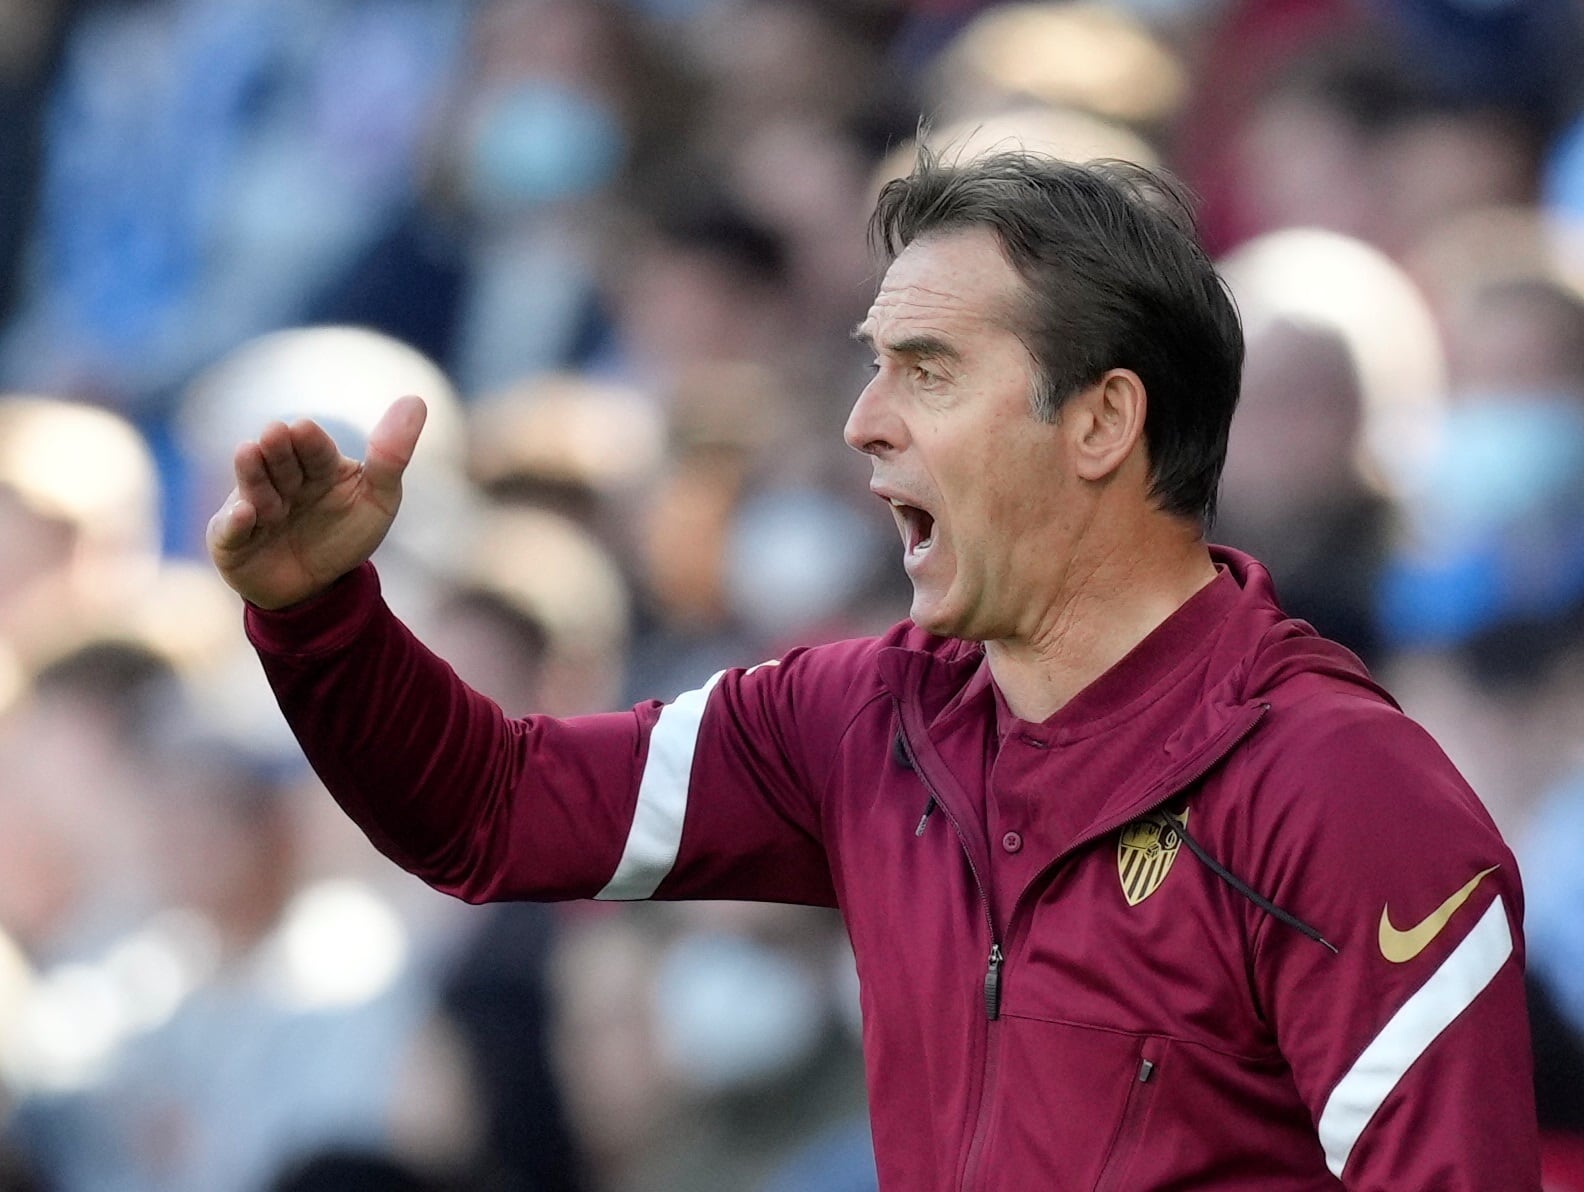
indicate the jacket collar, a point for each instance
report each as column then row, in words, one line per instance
column 1145, row 675
column 939, row 677
column 1183, row 697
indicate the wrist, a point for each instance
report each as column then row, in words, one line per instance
column 319, row 623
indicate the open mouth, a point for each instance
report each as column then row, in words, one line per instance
column 917, row 526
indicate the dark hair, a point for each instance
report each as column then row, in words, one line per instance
column 1115, row 278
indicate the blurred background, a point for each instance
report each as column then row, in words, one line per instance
column 618, row 245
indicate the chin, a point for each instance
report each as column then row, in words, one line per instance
column 932, row 618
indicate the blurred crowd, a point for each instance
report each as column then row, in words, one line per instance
column 619, row 246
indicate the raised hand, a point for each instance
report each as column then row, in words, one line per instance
column 302, row 514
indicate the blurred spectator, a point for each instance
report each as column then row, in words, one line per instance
column 740, row 1063
column 702, row 284
column 1483, row 590
column 1292, row 494
column 765, row 63
column 724, row 419
column 807, row 184
column 1329, row 282
column 1092, row 58
column 1494, row 532
column 495, row 995
column 750, row 1024
column 204, row 164
column 76, row 871
column 540, row 614
column 1462, row 262
column 1240, row 49
column 569, row 444
column 251, row 1019
column 32, row 33
column 796, row 100
column 1349, row 123
column 1356, row 142
column 1516, row 54
column 79, row 518
column 537, row 619
column 620, row 1101
column 493, row 269
column 1523, row 336
column 801, row 565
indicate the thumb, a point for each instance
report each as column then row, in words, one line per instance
column 391, row 443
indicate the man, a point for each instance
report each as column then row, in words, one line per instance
column 1147, row 884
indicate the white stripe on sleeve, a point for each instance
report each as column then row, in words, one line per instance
column 1449, row 991
column 656, row 832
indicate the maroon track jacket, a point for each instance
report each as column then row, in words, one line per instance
column 1228, row 920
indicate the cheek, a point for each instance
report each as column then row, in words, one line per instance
column 1021, row 486
column 995, row 471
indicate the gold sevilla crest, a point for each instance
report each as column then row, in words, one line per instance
column 1145, row 852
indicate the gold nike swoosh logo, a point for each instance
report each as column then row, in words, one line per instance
column 1400, row 946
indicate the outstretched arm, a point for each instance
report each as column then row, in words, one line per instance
column 478, row 805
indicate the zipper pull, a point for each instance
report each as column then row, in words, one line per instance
column 993, row 983
column 929, row 810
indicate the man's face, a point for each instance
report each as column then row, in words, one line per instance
column 979, row 486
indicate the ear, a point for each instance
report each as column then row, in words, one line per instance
column 1109, row 422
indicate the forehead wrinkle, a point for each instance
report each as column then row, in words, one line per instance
column 975, row 259
column 928, row 314
column 947, row 319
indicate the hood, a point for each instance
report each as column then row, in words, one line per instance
column 1261, row 648
column 1161, row 719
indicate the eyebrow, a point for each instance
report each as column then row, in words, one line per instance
column 916, row 347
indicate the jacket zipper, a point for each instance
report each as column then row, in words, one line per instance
column 993, row 973
column 985, row 1113
column 993, row 984
column 993, row 976
column 992, row 981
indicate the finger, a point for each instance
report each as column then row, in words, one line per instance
column 317, row 453
column 391, row 444
column 281, row 459
column 231, row 526
column 254, row 484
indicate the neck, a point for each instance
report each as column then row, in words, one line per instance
column 1108, row 604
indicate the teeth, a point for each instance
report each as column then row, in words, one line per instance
column 896, row 504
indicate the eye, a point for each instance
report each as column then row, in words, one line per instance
column 924, row 377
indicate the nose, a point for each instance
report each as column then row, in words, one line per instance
column 872, row 425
